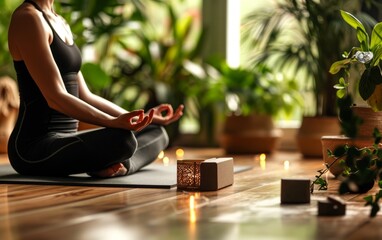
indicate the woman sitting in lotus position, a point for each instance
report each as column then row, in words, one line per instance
column 54, row 96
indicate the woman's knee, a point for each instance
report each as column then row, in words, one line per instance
column 123, row 139
column 155, row 132
column 165, row 137
column 117, row 144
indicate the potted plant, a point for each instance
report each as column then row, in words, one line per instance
column 304, row 38
column 365, row 59
column 360, row 162
column 252, row 98
column 360, row 168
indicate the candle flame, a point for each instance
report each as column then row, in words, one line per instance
column 179, row 153
column 263, row 158
column 161, row 155
column 166, row 161
column 286, row 165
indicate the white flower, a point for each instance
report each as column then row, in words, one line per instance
column 363, row 57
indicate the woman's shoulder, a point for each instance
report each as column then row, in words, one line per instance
column 26, row 26
column 25, row 19
column 25, row 13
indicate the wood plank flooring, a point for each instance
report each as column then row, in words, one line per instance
column 250, row 209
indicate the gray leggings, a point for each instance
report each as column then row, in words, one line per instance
column 62, row 154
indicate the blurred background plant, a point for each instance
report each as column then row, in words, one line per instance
column 303, row 38
column 223, row 91
column 256, row 90
column 6, row 65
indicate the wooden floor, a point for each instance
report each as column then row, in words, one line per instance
column 250, row 209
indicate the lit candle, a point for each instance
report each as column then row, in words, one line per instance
column 161, row 155
column 179, row 153
column 286, row 165
column 166, row 161
column 263, row 158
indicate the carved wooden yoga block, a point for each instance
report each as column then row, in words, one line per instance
column 205, row 175
column 188, row 174
column 295, row 190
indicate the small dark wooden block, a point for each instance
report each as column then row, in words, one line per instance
column 216, row 173
column 336, row 200
column 295, row 190
column 333, row 206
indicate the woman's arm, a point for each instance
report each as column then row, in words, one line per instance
column 100, row 103
column 163, row 114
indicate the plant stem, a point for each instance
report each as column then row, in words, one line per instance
column 322, row 172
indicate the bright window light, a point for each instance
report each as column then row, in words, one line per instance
column 233, row 33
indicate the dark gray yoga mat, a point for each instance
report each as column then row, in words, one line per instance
column 152, row 176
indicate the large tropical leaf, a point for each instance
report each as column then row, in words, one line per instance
column 376, row 36
column 362, row 35
column 94, row 74
column 369, row 79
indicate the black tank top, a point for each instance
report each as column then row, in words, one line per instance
column 36, row 118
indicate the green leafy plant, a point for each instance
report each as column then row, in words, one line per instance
column 362, row 167
column 302, row 38
column 368, row 54
column 6, row 64
column 162, row 57
column 259, row 90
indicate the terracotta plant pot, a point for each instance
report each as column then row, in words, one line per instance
column 249, row 134
column 331, row 142
column 370, row 119
column 310, row 133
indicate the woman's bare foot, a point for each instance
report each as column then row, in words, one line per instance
column 114, row 170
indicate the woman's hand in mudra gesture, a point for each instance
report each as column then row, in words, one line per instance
column 164, row 114
column 135, row 120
